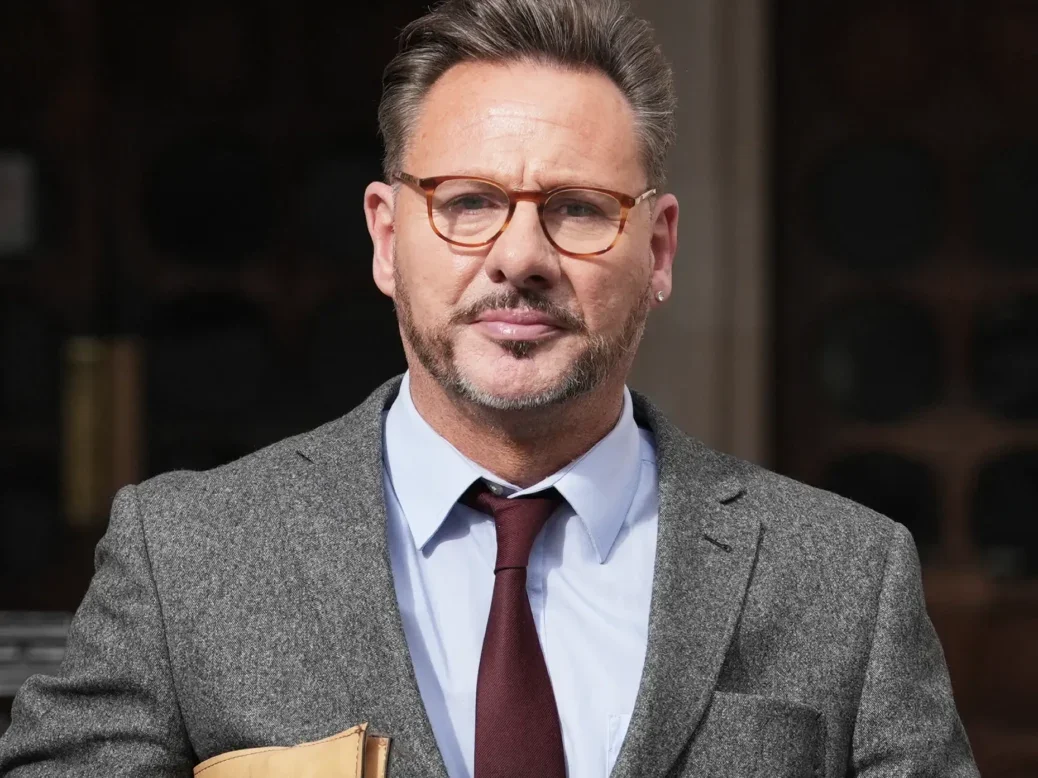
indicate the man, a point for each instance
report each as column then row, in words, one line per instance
column 506, row 561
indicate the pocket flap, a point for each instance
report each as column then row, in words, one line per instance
column 750, row 736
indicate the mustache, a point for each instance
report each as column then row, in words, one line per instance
column 519, row 299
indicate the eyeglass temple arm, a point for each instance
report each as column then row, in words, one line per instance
column 642, row 196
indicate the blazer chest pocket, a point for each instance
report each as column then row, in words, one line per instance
column 746, row 736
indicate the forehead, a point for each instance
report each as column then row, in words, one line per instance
column 527, row 123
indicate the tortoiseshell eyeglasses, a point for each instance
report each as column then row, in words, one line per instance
column 580, row 222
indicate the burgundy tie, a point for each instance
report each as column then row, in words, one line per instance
column 518, row 734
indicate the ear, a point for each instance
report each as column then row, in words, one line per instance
column 664, row 245
column 378, row 211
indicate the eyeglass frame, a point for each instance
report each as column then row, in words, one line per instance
column 428, row 187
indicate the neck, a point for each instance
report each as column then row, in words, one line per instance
column 521, row 447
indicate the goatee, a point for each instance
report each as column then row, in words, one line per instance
column 600, row 357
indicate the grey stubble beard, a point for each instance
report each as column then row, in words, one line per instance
column 598, row 360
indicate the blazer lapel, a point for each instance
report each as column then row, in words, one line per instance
column 706, row 550
column 335, row 524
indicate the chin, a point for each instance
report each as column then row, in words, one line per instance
column 509, row 376
column 505, row 381
column 513, row 376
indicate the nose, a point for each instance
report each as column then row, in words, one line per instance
column 522, row 255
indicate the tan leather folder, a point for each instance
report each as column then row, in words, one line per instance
column 350, row 754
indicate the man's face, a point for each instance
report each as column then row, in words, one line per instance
column 517, row 324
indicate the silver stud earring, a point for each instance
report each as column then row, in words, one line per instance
column 660, row 296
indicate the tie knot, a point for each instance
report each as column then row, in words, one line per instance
column 518, row 520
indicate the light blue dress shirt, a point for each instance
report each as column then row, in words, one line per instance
column 589, row 582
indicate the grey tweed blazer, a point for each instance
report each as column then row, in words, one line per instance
column 254, row 605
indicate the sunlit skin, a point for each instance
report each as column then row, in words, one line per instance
column 532, row 127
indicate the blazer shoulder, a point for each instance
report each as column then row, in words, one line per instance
column 792, row 514
column 826, row 521
column 243, row 498
column 244, row 489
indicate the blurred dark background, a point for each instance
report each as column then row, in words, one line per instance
column 185, row 277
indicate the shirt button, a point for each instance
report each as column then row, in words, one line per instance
column 496, row 489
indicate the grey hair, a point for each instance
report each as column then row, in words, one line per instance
column 599, row 35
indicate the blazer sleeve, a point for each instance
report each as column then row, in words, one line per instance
column 907, row 725
column 112, row 709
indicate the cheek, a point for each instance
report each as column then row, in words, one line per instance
column 435, row 276
column 606, row 294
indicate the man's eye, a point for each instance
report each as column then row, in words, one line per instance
column 470, row 203
column 577, row 210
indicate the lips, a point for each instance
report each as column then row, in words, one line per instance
column 513, row 324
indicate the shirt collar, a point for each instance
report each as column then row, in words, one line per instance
column 429, row 475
